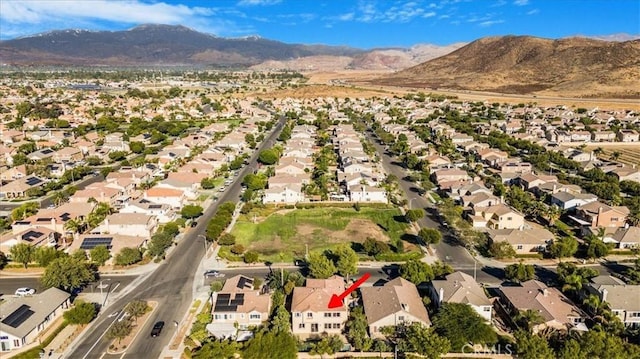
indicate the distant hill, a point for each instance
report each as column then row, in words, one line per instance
column 523, row 64
column 179, row 45
column 153, row 45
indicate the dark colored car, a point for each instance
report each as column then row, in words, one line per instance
column 157, row 329
column 193, row 224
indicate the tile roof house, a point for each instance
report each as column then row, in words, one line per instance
column 523, row 241
column 112, row 241
column 128, row 224
column 395, row 302
column 163, row 212
column 459, row 287
column 291, row 193
column 238, row 305
column 497, row 216
column 22, row 319
column 364, row 193
column 623, row 299
column 556, row 309
column 172, row 197
column 18, row 188
column 598, row 214
column 309, row 312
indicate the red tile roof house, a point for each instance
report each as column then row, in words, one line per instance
column 309, row 313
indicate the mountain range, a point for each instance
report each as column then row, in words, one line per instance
column 167, row 45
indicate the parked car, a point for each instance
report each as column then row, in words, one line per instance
column 157, row 329
column 193, row 224
column 24, row 291
column 213, row 273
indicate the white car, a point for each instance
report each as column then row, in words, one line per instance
column 21, row 292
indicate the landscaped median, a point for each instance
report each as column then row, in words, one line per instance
column 127, row 327
column 285, row 234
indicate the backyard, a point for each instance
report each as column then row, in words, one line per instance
column 281, row 235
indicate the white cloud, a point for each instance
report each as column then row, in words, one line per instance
column 490, row 23
column 27, row 17
column 258, row 2
column 521, row 2
column 429, row 14
column 533, row 12
column 346, row 17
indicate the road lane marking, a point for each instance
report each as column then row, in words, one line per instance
column 99, row 339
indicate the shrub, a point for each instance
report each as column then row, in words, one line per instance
column 237, row 249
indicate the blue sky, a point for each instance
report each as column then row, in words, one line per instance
column 357, row 23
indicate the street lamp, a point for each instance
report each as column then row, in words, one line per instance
column 204, row 242
column 106, row 294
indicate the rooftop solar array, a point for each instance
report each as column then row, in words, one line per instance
column 245, row 283
column 31, row 235
column 228, row 302
column 18, row 317
column 32, row 181
column 43, row 219
column 155, row 206
column 46, row 151
column 91, row 243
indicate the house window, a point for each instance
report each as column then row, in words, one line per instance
column 327, row 315
column 635, row 315
column 298, row 314
column 327, row 325
column 519, row 246
column 309, row 315
column 509, row 218
column 401, row 318
column 217, row 317
column 486, row 309
column 336, row 325
column 336, row 315
column 301, row 326
column 314, row 328
column 254, row 316
column 16, row 343
column 614, row 219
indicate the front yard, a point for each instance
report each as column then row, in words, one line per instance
column 281, row 235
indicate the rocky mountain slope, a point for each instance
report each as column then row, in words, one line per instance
column 523, row 64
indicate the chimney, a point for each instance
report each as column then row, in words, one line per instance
column 545, row 292
column 554, row 188
column 604, row 294
column 441, row 295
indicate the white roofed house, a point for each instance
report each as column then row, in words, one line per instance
column 365, row 193
column 22, row 319
column 459, row 287
column 290, row 193
column 163, row 212
column 129, row 224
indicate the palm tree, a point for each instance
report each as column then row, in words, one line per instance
column 73, row 225
column 528, row 319
column 595, row 305
column 615, row 155
column 551, row 214
column 573, row 283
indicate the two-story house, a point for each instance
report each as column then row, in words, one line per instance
column 459, row 287
column 310, row 315
column 128, row 224
column 623, row 299
column 598, row 214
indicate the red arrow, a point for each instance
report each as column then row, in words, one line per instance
column 336, row 300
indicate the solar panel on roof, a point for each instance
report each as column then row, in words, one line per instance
column 155, row 206
column 18, row 316
column 32, row 181
column 245, row 282
column 91, row 243
column 43, row 219
column 46, row 151
column 31, row 235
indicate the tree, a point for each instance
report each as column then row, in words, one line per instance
column 136, row 147
column 416, row 271
column 281, row 320
column 528, row 319
column 356, row 330
column 22, row 253
column 327, row 345
column 73, row 225
column 564, row 247
column 413, row 215
column 128, row 256
column 530, row 346
column 461, row 324
column 214, row 348
column 191, row 211
column 81, row 313
column 44, row 255
column 3, row 260
column 419, row 339
column 596, row 248
column 227, row 239
column 346, row 260
column 430, row 235
column 502, row 250
column 67, row 273
column 441, row 269
column 320, row 266
column 25, row 210
column 269, row 156
column 280, row 345
column 137, row 308
column 99, row 254
column 216, row 286
column 251, row 257
column 374, row 247
column 119, row 330
column 519, row 272
column 572, row 278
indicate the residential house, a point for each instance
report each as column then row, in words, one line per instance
column 33, row 236
column 291, row 193
column 626, row 173
column 393, row 303
column 238, row 306
column 67, row 154
column 529, row 181
column 569, row 200
column 365, row 193
column 20, row 187
column 525, row 240
column 498, row 216
column 459, row 287
column 54, row 219
column 603, row 136
column 164, row 213
column 128, row 224
column 310, row 314
column 628, row 136
column 623, row 299
column 13, row 173
column 598, row 214
column 450, row 174
column 556, row 310
column 98, row 192
column 112, row 241
column 172, row 197
column 24, row 318
column 515, row 167
column 627, row 238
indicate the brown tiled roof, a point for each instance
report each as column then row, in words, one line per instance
column 315, row 296
column 393, row 297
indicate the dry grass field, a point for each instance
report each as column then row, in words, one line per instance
column 629, row 155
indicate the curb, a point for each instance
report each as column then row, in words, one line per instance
column 137, row 333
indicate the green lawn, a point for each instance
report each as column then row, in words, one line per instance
column 281, row 237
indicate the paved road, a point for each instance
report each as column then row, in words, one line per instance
column 8, row 285
column 171, row 285
column 446, row 250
